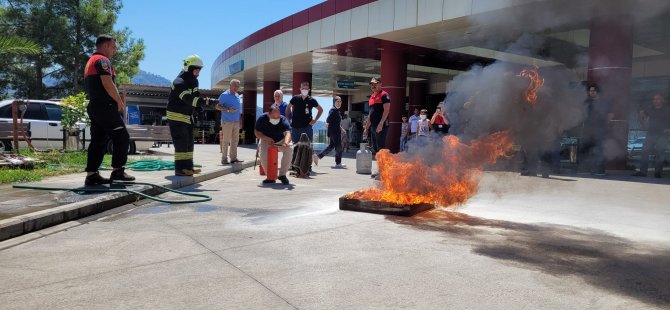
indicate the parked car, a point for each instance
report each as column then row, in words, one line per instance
column 46, row 131
column 635, row 145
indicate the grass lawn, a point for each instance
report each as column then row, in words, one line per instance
column 54, row 163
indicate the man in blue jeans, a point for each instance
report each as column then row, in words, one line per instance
column 300, row 108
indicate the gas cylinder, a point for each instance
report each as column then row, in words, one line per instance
column 271, row 169
column 364, row 160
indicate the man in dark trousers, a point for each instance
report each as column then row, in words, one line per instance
column 105, row 110
column 594, row 132
column 380, row 105
column 300, row 109
column 184, row 99
column 657, row 120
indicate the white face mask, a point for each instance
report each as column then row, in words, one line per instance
column 304, row 92
column 423, row 117
column 274, row 121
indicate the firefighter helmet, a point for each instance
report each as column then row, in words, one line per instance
column 193, row 61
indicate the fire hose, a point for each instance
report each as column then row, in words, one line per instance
column 79, row 190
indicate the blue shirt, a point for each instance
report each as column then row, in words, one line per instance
column 228, row 100
column 282, row 108
column 276, row 132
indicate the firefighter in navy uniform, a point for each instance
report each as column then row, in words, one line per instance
column 104, row 110
column 377, row 123
column 183, row 101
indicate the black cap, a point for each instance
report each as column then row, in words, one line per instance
column 375, row 80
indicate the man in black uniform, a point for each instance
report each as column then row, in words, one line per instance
column 380, row 105
column 104, row 110
column 300, row 108
column 184, row 99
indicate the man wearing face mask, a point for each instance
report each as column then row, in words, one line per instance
column 300, row 108
column 423, row 126
column 183, row 100
column 380, row 105
column 272, row 128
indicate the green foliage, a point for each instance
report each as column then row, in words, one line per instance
column 65, row 33
column 12, row 175
column 127, row 59
column 17, row 45
column 74, row 110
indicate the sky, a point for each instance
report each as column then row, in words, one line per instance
column 172, row 30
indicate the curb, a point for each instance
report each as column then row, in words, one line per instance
column 23, row 224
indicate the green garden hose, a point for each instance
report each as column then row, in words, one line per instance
column 203, row 198
column 152, row 165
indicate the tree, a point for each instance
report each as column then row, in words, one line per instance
column 17, row 45
column 65, row 31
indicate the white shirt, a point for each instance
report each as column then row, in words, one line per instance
column 413, row 121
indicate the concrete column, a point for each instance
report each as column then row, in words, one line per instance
column 299, row 77
column 249, row 112
column 417, row 96
column 345, row 103
column 610, row 62
column 394, row 82
column 269, row 88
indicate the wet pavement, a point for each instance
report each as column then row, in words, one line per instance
column 18, row 202
column 520, row 243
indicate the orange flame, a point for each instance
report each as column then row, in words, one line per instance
column 451, row 179
column 535, row 82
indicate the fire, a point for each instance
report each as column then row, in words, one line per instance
column 451, row 179
column 535, row 82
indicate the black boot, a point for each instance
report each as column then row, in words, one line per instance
column 95, row 179
column 121, row 175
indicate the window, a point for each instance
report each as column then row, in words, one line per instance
column 54, row 112
column 35, row 112
column 6, row 111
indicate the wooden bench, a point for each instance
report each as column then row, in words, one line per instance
column 156, row 134
column 7, row 134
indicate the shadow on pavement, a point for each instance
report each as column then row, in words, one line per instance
column 602, row 260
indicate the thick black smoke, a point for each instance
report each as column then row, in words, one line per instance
column 492, row 98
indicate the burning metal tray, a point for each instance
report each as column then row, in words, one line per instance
column 380, row 207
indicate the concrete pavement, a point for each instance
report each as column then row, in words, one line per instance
column 520, row 243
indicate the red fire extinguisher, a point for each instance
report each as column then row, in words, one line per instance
column 272, row 163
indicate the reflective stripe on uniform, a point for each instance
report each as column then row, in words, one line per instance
column 183, row 155
column 195, row 89
column 184, row 93
column 174, row 116
column 195, row 101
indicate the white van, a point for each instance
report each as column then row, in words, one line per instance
column 44, row 117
